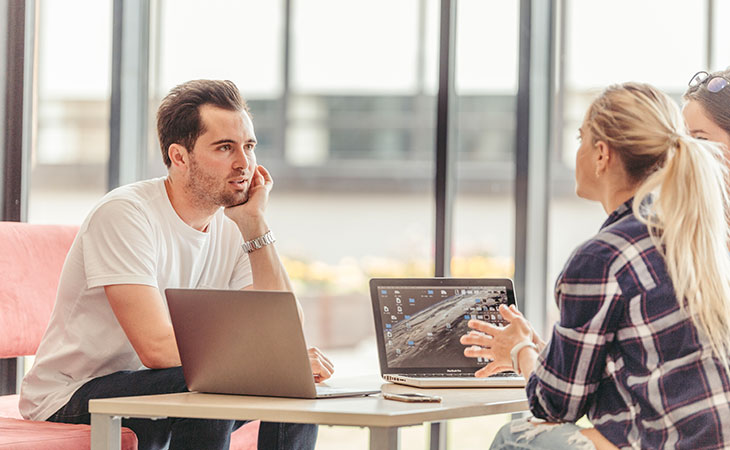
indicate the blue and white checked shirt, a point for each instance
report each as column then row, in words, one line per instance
column 625, row 354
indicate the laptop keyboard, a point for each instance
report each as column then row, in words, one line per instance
column 459, row 375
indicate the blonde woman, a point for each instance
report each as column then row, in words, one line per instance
column 642, row 344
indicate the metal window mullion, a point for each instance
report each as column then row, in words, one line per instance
column 710, row 49
column 130, row 92
column 444, row 148
column 280, row 150
column 18, row 123
column 444, row 192
column 532, row 157
column 420, row 140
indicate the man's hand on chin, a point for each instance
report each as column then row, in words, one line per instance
column 249, row 214
column 322, row 368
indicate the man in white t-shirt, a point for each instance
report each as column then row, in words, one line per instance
column 202, row 226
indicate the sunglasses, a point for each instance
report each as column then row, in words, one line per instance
column 714, row 84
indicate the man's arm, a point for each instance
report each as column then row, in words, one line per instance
column 142, row 315
column 266, row 267
column 268, row 271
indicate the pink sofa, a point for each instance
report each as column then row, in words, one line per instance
column 31, row 258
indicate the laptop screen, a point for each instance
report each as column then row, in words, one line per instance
column 419, row 322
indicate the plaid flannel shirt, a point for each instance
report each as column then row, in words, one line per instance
column 625, row 354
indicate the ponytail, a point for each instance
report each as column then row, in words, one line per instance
column 689, row 223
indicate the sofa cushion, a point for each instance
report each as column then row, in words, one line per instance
column 9, row 407
column 246, row 437
column 17, row 434
column 31, row 258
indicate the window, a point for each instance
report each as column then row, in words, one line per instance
column 486, row 103
column 68, row 167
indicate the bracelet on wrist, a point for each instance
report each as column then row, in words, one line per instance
column 515, row 352
column 259, row 242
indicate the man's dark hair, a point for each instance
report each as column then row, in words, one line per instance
column 178, row 118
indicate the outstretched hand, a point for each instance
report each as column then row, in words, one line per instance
column 322, row 367
column 535, row 338
column 495, row 343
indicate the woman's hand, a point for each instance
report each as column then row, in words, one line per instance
column 495, row 343
column 535, row 338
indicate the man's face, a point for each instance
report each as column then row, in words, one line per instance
column 223, row 160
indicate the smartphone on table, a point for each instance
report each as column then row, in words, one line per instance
column 412, row 397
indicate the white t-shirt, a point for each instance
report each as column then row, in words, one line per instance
column 133, row 236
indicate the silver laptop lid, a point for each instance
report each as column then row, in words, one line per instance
column 418, row 321
column 241, row 342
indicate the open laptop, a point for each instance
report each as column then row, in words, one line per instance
column 418, row 323
column 244, row 342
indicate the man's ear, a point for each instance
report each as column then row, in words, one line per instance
column 603, row 157
column 179, row 156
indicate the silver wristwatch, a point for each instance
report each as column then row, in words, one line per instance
column 261, row 241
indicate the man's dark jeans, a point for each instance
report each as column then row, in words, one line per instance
column 194, row 434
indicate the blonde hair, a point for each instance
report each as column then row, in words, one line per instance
column 688, row 218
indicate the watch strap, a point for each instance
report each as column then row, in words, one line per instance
column 259, row 242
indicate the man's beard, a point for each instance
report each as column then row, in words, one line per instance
column 207, row 190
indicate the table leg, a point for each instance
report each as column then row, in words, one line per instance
column 382, row 438
column 106, row 432
column 438, row 436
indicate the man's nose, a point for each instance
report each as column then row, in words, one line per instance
column 241, row 161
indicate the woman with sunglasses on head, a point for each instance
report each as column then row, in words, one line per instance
column 643, row 339
column 707, row 107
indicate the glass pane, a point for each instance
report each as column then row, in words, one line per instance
column 363, row 95
column 342, row 47
column 486, row 89
column 356, row 185
column 721, row 37
column 69, row 161
column 244, row 47
column 654, row 51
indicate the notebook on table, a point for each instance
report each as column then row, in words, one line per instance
column 418, row 323
column 244, row 342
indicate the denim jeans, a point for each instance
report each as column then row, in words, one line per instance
column 176, row 433
column 532, row 434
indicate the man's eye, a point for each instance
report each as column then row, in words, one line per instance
column 226, row 147
column 250, row 147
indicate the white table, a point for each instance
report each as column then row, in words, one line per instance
column 383, row 417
